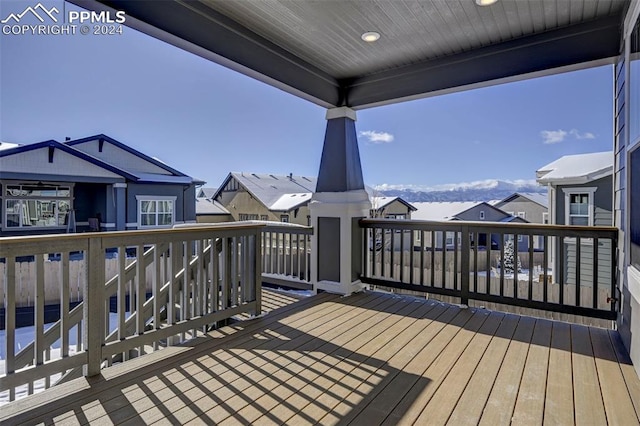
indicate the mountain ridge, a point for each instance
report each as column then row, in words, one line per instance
column 484, row 190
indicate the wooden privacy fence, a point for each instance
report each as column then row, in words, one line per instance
column 25, row 281
column 198, row 277
column 574, row 273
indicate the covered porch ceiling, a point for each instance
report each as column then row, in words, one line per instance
column 314, row 48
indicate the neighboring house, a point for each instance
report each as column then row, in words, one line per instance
column 252, row 196
column 206, row 192
column 208, row 211
column 94, row 183
column 467, row 211
column 580, row 193
column 390, row 207
column 532, row 206
column 580, row 189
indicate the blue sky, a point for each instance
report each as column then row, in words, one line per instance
column 206, row 120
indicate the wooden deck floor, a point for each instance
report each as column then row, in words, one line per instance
column 366, row 359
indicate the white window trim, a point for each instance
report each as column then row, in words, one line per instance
column 545, row 218
column 140, row 198
column 482, row 214
column 590, row 190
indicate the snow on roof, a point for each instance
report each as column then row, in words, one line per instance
column 290, row 201
column 536, row 197
column 7, row 145
column 207, row 192
column 270, row 188
column 381, row 202
column 577, row 169
column 440, row 210
column 204, row 206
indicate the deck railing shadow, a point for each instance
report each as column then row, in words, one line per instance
column 272, row 372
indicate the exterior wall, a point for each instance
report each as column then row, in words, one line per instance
column 394, row 208
column 490, row 214
column 533, row 211
column 241, row 202
column 602, row 202
column 627, row 139
column 184, row 205
column 602, row 216
column 119, row 157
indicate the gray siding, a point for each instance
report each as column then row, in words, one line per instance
column 185, row 204
column 490, row 214
column 533, row 211
column 602, row 203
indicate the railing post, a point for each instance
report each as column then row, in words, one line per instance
column 465, row 252
column 94, row 304
column 257, row 271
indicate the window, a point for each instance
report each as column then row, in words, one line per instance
column 264, row 217
column 284, row 218
column 579, row 206
column 481, row 214
column 634, row 206
column 155, row 211
column 449, row 238
column 396, row 216
column 246, row 216
column 308, row 220
column 36, row 205
column 522, row 215
column 545, row 218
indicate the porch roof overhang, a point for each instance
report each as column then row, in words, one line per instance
column 428, row 47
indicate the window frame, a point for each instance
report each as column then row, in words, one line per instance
column 155, row 198
column 24, row 205
column 590, row 192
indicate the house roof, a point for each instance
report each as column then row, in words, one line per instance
column 314, row 49
column 284, row 193
column 537, row 197
column 272, row 189
column 440, row 210
column 576, row 169
column 209, row 207
column 207, row 192
column 484, row 204
column 382, row 202
column 105, row 162
column 290, row 201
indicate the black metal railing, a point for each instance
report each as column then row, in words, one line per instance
column 567, row 269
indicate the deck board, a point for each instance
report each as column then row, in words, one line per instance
column 366, row 359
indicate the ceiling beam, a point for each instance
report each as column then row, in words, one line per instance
column 557, row 49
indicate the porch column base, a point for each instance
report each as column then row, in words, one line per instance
column 337, row 244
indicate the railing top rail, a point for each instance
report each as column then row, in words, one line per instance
column 118, row 237
column 453, row 225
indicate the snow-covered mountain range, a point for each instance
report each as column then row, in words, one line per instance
column 484, row 190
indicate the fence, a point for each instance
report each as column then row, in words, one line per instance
column 198, row 277
column 573, row 272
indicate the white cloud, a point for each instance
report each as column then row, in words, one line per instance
column 553, row 136
column 557, row 136
column 376, row 137
column 585, row 135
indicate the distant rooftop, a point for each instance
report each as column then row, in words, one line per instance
column 440, row 210
column 576, row 169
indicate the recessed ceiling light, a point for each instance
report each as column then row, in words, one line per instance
column 485, row 2
column 370, row 36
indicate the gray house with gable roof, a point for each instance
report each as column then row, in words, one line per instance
column 91, row 184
